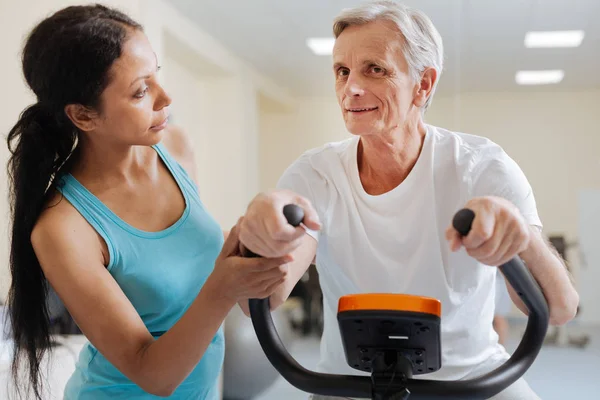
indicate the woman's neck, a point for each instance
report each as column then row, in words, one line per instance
column 112, row 164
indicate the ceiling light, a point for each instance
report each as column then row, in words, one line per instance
column 539, row 77
column 554, row 39
column 321, row 46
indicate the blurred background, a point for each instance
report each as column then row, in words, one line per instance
column 252, row 84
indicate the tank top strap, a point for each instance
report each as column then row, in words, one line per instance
column 179, row 173
column 90, row 207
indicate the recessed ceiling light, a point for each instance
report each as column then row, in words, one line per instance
column 554, row 39
column 539, row 77
column 321, row 46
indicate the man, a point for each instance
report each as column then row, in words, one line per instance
column 379, row 205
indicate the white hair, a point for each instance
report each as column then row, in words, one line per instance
column 423, row 44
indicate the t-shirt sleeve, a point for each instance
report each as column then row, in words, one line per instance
column 496, row 174
column 302, row 178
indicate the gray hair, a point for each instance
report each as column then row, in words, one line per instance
column 423, row 43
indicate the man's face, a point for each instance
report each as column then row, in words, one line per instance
column 373, row 84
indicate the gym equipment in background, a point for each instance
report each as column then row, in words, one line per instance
column 307, row 293
column 402, row 340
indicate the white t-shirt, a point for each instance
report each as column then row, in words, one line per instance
column 395, row 242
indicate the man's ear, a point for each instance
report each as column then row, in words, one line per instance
column 428, row 80
column 84, row 118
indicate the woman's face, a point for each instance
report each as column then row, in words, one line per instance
column 134, row 106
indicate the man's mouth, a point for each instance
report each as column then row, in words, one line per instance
column 361, row 109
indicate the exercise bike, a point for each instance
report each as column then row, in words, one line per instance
column 395, row 337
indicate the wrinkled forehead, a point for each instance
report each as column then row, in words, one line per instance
column 374, row 40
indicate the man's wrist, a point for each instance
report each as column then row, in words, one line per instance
column 534, row 251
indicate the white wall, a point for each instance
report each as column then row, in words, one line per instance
column 553, row 136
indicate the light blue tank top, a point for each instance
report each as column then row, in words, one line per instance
column 161, row 274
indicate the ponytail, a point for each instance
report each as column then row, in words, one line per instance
column 39, row 145
column 67, row 60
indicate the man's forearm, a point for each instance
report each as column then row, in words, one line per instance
column 284, row 291
column 550, row 271
column 303, row 256
column 278, row 297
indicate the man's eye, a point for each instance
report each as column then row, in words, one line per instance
column 343, row 72
column 377, row 70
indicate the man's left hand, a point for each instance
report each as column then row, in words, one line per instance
column 499, row 231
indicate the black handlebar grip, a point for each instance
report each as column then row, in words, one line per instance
column 294, row 214
column 463, row 220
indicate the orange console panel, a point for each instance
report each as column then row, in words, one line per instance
column 390, row 302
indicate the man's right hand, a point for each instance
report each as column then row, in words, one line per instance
column 265, row 230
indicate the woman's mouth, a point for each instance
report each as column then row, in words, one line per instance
column 161, row 126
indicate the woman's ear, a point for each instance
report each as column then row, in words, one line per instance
column 84, row 118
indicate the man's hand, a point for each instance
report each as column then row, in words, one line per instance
column 265, row 230
column 499, row 231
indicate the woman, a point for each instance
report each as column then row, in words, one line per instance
column 108, row 213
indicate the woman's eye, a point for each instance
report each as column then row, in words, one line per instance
column 141, row 93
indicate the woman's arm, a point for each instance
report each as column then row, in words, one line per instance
column 70, row 254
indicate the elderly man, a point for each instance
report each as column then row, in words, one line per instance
column 379, row 205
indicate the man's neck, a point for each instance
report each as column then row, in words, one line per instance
column 384, row 161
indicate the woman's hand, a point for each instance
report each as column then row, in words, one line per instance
column 239, row 278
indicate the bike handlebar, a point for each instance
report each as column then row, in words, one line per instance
column 482, row 387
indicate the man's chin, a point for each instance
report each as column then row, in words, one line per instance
column 361, row 130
